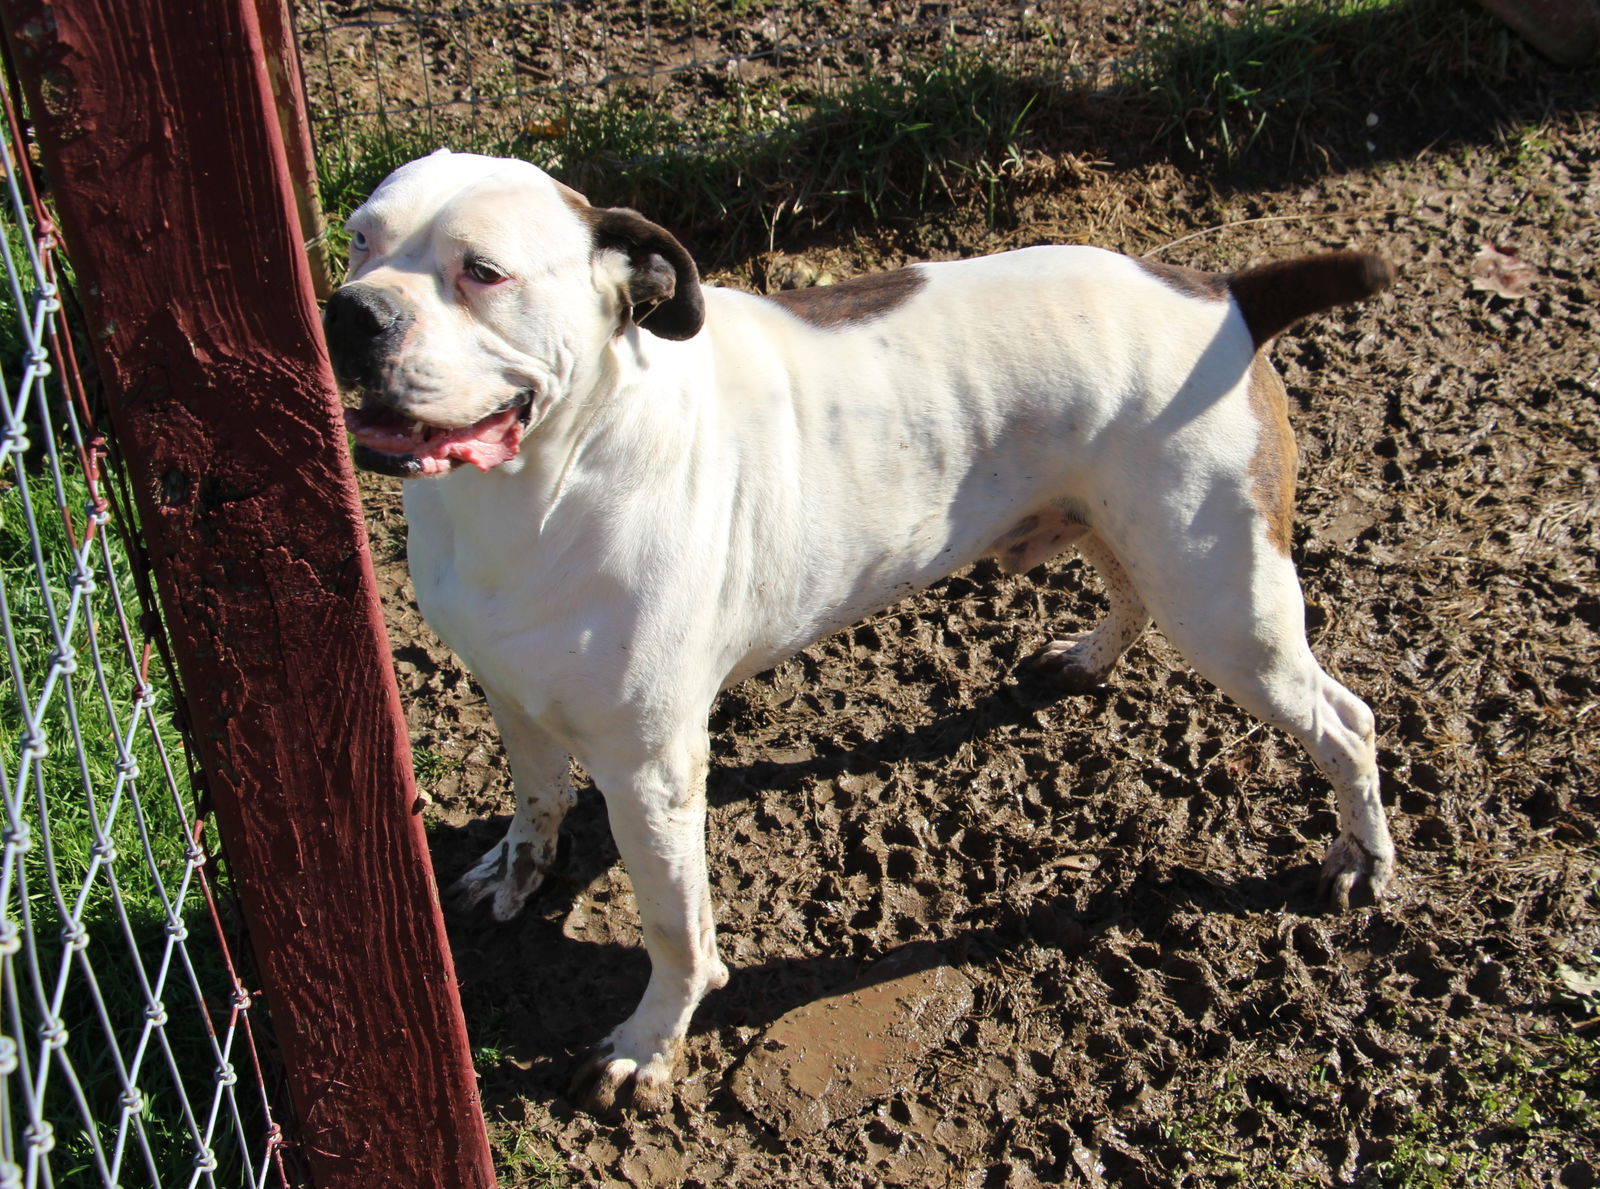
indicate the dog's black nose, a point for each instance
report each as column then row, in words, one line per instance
column 362, row 325
column 361, row 310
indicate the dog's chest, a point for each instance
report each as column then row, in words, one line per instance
column 472, row 579
column 456, row 608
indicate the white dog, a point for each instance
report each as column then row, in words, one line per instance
column 635, row 490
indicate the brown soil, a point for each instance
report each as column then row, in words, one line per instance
column 1127, row 878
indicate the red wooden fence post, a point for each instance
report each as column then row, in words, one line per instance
column 168, row 172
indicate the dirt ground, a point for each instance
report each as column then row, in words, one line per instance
column 1127, row 877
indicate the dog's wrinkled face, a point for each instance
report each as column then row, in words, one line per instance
column 481, row 293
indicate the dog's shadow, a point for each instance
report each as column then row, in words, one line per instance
column 538, row 994
column 1011, row 704
column 537, row 1000
column 586, row 849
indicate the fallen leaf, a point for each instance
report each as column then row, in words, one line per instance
column 547, row 129
column 1502, row 271
column 1584, row 986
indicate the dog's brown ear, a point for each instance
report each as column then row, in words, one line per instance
column 663, row 286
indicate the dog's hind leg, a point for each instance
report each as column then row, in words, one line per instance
column 1229, row 600
column 658, row 819
column 512, row 870
column 1079, row 663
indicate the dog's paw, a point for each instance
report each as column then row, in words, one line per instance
column 505, row 878
column 1350, row 869
column 1072, row 664
column 604, row 1076
column 644, row 1050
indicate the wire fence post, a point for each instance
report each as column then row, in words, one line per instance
column 288, row 92
column 157, row 129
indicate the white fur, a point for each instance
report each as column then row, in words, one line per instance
column 686, row 513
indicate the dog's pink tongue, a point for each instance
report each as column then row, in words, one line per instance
column 489, row 443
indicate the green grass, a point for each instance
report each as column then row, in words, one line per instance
column 761, row 163
column 524, row 1162
column 1497, row 1107
column 758, row 165
column 100, row 790
column 1488, row 1113
column 1273, row 77
column 429, row 765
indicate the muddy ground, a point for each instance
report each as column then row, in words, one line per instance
column 1127, row 877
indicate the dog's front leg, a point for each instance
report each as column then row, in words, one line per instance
column 658, row 819
column 511, row 871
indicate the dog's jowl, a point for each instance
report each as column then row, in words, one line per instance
column 630, row 490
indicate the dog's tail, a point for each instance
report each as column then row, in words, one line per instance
column 1274, row 297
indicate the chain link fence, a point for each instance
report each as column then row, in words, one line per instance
column 126, row 1050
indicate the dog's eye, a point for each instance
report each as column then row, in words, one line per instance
column 358, row 241
column 481, row 271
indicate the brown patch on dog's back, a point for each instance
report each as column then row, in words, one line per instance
column 1191, row 282
column 849, row 303
column 1275, row 296
column 579, row 204
column 1272, row 469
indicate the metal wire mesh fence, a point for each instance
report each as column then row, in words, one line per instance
column 126, row 1053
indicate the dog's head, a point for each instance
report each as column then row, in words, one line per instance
column 481, row 293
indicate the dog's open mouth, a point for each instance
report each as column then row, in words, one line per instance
column 393, row 444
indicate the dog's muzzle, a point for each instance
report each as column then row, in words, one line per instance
column 363, row 325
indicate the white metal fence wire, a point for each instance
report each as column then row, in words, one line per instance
column 126, row 1057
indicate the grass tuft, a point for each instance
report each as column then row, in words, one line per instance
column 1277, row 78
column 1293, row 84
column 949, row 131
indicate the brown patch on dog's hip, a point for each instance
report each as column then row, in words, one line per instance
column 1272, row 468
